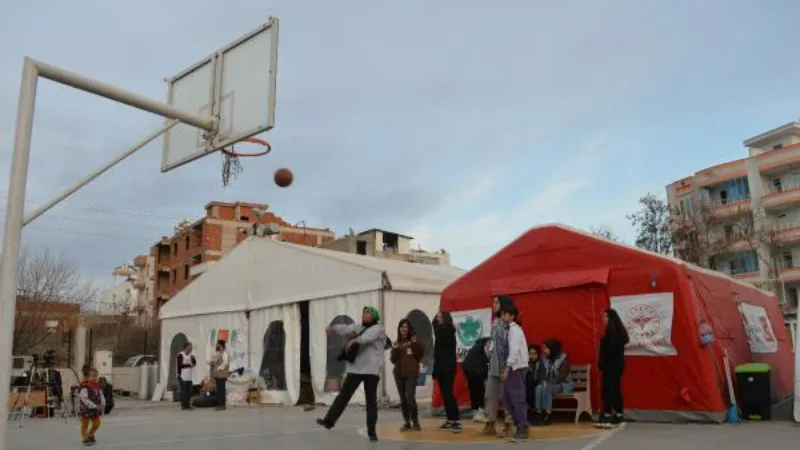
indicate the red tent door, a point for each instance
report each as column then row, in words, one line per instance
column 573, row 316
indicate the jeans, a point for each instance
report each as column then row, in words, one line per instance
column 186, row 393
column 612, row 392
column 446, row 381
column 221, row 391
column 514, row 397
column 351, row 383
column 477, row 391
column 407, row 388
column 546, row 390
column 494, row 394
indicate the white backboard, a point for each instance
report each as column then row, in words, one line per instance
column 236, row 85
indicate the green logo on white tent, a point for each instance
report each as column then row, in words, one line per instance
column 469, row 330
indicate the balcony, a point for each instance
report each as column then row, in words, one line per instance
column 776, row 159
column 197, row 269
column 787, row 232
column 782, row 196
column 729, row 209
column 721, row 173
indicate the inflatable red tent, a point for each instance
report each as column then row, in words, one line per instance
column 562, row 279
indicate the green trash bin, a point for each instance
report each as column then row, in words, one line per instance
column 755, row 392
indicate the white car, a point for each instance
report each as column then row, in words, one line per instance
column 138, row 360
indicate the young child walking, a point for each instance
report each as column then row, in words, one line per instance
column 514, row 374
column 92, row 405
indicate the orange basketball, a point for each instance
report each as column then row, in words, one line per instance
column 283, row 177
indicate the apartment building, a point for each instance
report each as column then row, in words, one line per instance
column 762, row 189
column 387, row 245
column 182, row 257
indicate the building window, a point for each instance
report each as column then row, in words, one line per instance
column 186, row 272
column 730, row 232
column 174, row 275
column 787, row 259
column 188, row 241
column 743, row 262
column 685, row 206
column 735, row 190
column 777, row 146
column 776, row 185
column 175, row 248
column 361, row 247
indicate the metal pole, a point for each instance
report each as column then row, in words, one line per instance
column 122, row 96
column 92, row 176
column 12, row 235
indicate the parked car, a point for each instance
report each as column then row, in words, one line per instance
column 138, row 360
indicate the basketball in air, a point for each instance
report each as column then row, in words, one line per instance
column 283, row 177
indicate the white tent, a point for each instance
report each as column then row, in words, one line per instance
column 262, row 295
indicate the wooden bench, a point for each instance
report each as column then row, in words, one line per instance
column 582, row 393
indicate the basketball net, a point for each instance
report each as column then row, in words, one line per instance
column 232, row 167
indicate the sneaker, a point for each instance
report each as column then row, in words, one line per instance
column 603, row 421
column 520, row 436
column 416, row 426
column 545, row 419
column 488, row 430
column 457, row 428
column 406, row 427
column 479, row 416
column 92, row 440
column 617, row 419
column 86, row 442
column 507, row 431
column 447, row 426
column 373, row 437
column 324, row 424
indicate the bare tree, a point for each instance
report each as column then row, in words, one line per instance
column 50, row 290
column 605, row 232
column 653, row 225
column 698, row 235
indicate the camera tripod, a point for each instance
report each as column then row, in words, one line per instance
column 49, row 380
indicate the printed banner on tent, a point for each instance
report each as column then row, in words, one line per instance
column 236, row 346
column 470, row 326
column 648, row 320
column 759, row 330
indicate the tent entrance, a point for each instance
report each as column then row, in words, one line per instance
column 306, row 388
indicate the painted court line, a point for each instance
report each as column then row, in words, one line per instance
column 596, row 442
column 215, row 438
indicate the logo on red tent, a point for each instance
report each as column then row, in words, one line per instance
column 643, row 321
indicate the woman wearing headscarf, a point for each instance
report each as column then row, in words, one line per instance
column 364, row 356
column 498, row 355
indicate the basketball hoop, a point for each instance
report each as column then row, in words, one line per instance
column 231, row 166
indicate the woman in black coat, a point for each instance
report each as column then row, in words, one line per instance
column 476, row 368
column 444, row 367
column 611, row 362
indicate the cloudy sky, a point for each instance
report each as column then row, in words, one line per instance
column 461, row 123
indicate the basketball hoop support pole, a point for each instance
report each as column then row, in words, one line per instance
column 17, row 184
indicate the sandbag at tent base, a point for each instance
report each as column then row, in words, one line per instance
column 657, row 416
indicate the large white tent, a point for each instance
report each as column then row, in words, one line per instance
column 272, row 302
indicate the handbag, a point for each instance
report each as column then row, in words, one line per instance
column 349, row 353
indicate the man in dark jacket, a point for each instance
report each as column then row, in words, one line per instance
column 476, row 368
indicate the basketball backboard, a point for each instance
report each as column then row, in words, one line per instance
column 235, row 86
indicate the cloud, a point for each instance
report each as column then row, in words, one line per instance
column 475, row 238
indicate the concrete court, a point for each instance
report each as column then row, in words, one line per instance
column 165, row 427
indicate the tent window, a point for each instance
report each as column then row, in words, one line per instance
column 174, row 348
column 334, row 369
column 273, row 363
column 421, row 324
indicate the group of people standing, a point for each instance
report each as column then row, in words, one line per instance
column 501, row 369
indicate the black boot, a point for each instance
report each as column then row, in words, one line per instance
column 324, row 424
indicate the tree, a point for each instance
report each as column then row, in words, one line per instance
column 50, row 291
column 653, row 225
column 605, row 232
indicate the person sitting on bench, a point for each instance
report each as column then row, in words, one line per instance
column 557, row 380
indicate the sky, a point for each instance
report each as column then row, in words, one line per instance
column 461, row 123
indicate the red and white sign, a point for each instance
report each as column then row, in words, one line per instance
column 760, row 335
column 648, row 320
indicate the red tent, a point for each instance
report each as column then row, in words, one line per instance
column 562, row 279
